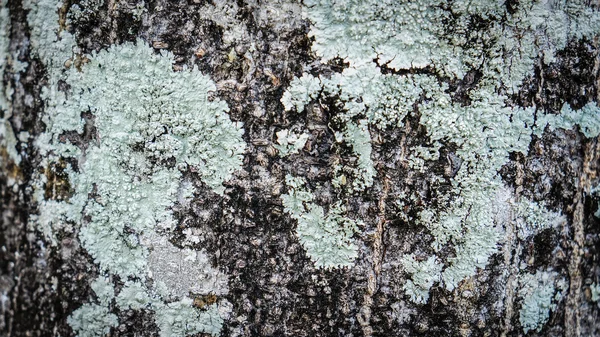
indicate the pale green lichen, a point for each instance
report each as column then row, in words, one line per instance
column 290, row 142
column 4, row 52
column 175, row 318
column 424, row 274
column 55, row 47
column 381, row 100
column 134, row 296
column 104, row 290
column 404, row 35
column 587, row 118
column 533, row 217
column 167, row 114
column 327, row 238
column 301, row 91
column 420, row 154
column 541, row 293
column 595, row 292
column 485, row 131
column 84, row 9
column 8, row 141
column 416, row 34
column 359, row 138
column 157, row 115
column 92, row 320
column 156, row 125
column 179, row 319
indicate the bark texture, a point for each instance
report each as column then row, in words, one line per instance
column 252, row 51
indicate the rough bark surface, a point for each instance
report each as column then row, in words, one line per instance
column 275, row 289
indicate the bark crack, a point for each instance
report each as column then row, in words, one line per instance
column 512, row 251
column 572, row 314
column 364, row 317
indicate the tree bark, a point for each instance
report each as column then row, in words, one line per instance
column 251, row 260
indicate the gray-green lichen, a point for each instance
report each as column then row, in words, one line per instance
column 8, row 140
column 92, row 320
column 84, row 8
column 533, row 217
column 4, row 48
column 158, row 116
column 174, row 318
column 595, row 292
column 541, row 293
column 152, row 124
column 290, row 142
column 104, row 290
column 585, row 118
column 178, row 319
column 4, row 54
column 403, row 34
column 424, row 274
column 134, row 296
column 301, row 91
column 327, row 238
column 160, row 123
column 368, row 34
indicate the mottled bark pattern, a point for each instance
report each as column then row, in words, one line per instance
column 274, row 288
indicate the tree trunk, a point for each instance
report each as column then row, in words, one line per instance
column 285, row 168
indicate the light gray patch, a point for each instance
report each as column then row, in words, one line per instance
column 182, row 271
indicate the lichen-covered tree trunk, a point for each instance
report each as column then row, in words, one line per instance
column 286, row 168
